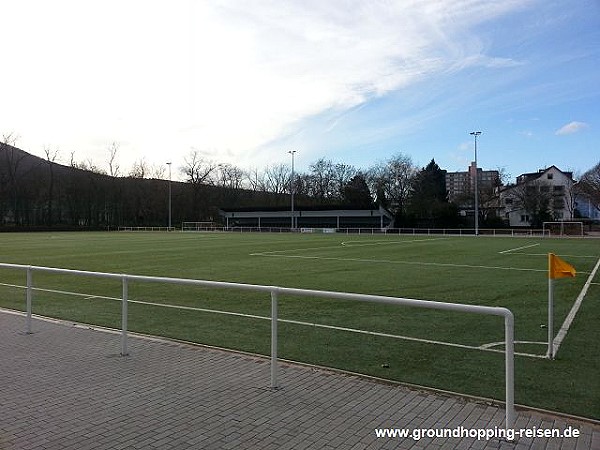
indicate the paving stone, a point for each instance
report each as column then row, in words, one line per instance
column 66, row 387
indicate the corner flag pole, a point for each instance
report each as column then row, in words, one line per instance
column 550, row 352
column 557, row 268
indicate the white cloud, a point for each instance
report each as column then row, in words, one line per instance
column 572, row 127
column 226, row 77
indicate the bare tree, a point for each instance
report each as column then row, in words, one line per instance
column 51, row 157
column 91, row 166
column 88, row 165
column 503, row 176
column 570, row 193
column 157, row 171
column 14, row 174
column 140, row 169
column 392, row 182
column 256, row 180
column 277, row 178
column 589, row 185
column 197, row 169
column 489, row 196
column 534, row 198
column 342, row 174
column 229, row 176
column 113, row 165
column 10, row 138
column 302, row 184
column 322, row 174
column 143, row 169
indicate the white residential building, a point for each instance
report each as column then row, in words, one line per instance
column 545, row 195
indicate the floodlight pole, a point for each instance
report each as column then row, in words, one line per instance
column 169, row 164
column 292, row 152
column 475, row 134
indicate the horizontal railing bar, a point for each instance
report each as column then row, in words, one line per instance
column 427, row 304
column 63, row 271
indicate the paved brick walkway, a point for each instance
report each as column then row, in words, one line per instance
column 66, row 387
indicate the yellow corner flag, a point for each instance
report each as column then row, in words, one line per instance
column 557, row 268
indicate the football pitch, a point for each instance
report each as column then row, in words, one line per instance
column 458, row 352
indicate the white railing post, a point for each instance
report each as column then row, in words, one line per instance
column 29, row 298
column 124, row 350
column 509, row 352
column 274, row 383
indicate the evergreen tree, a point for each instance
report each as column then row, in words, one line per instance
column 356, row 192
column 429, row 199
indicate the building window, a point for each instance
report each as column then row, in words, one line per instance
column 524, row 218
column 550, row 176
column 559, row 189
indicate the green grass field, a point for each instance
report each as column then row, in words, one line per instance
column 494, row 271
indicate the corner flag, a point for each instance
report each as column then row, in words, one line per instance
column 557, row 268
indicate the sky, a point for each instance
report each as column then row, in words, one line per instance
column 245, row 82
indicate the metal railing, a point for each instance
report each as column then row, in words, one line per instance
column 275, row 292
column 146, row 228
column 508, row 232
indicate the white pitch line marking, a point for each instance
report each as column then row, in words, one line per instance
column 571, row 316
column 389, row 261
column 518, row 248
column 274, row 252
column 336, row 247
column 295, row 322
column 54, row 291
column 562, row 255
column 497, row 344
column 531, row 355
column 361, row 244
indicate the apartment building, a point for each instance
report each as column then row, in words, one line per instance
column 461, row 185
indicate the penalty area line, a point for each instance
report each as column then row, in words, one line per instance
column 386, row 242
column 518, row 248
column 346, row 244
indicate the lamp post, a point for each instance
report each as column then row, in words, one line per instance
column 475, row 134
column 169, row 164
column 292, row 152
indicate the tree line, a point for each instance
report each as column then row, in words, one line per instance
column 38, row 192
column 416, row 196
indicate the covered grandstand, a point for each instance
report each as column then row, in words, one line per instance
column 308, row 217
